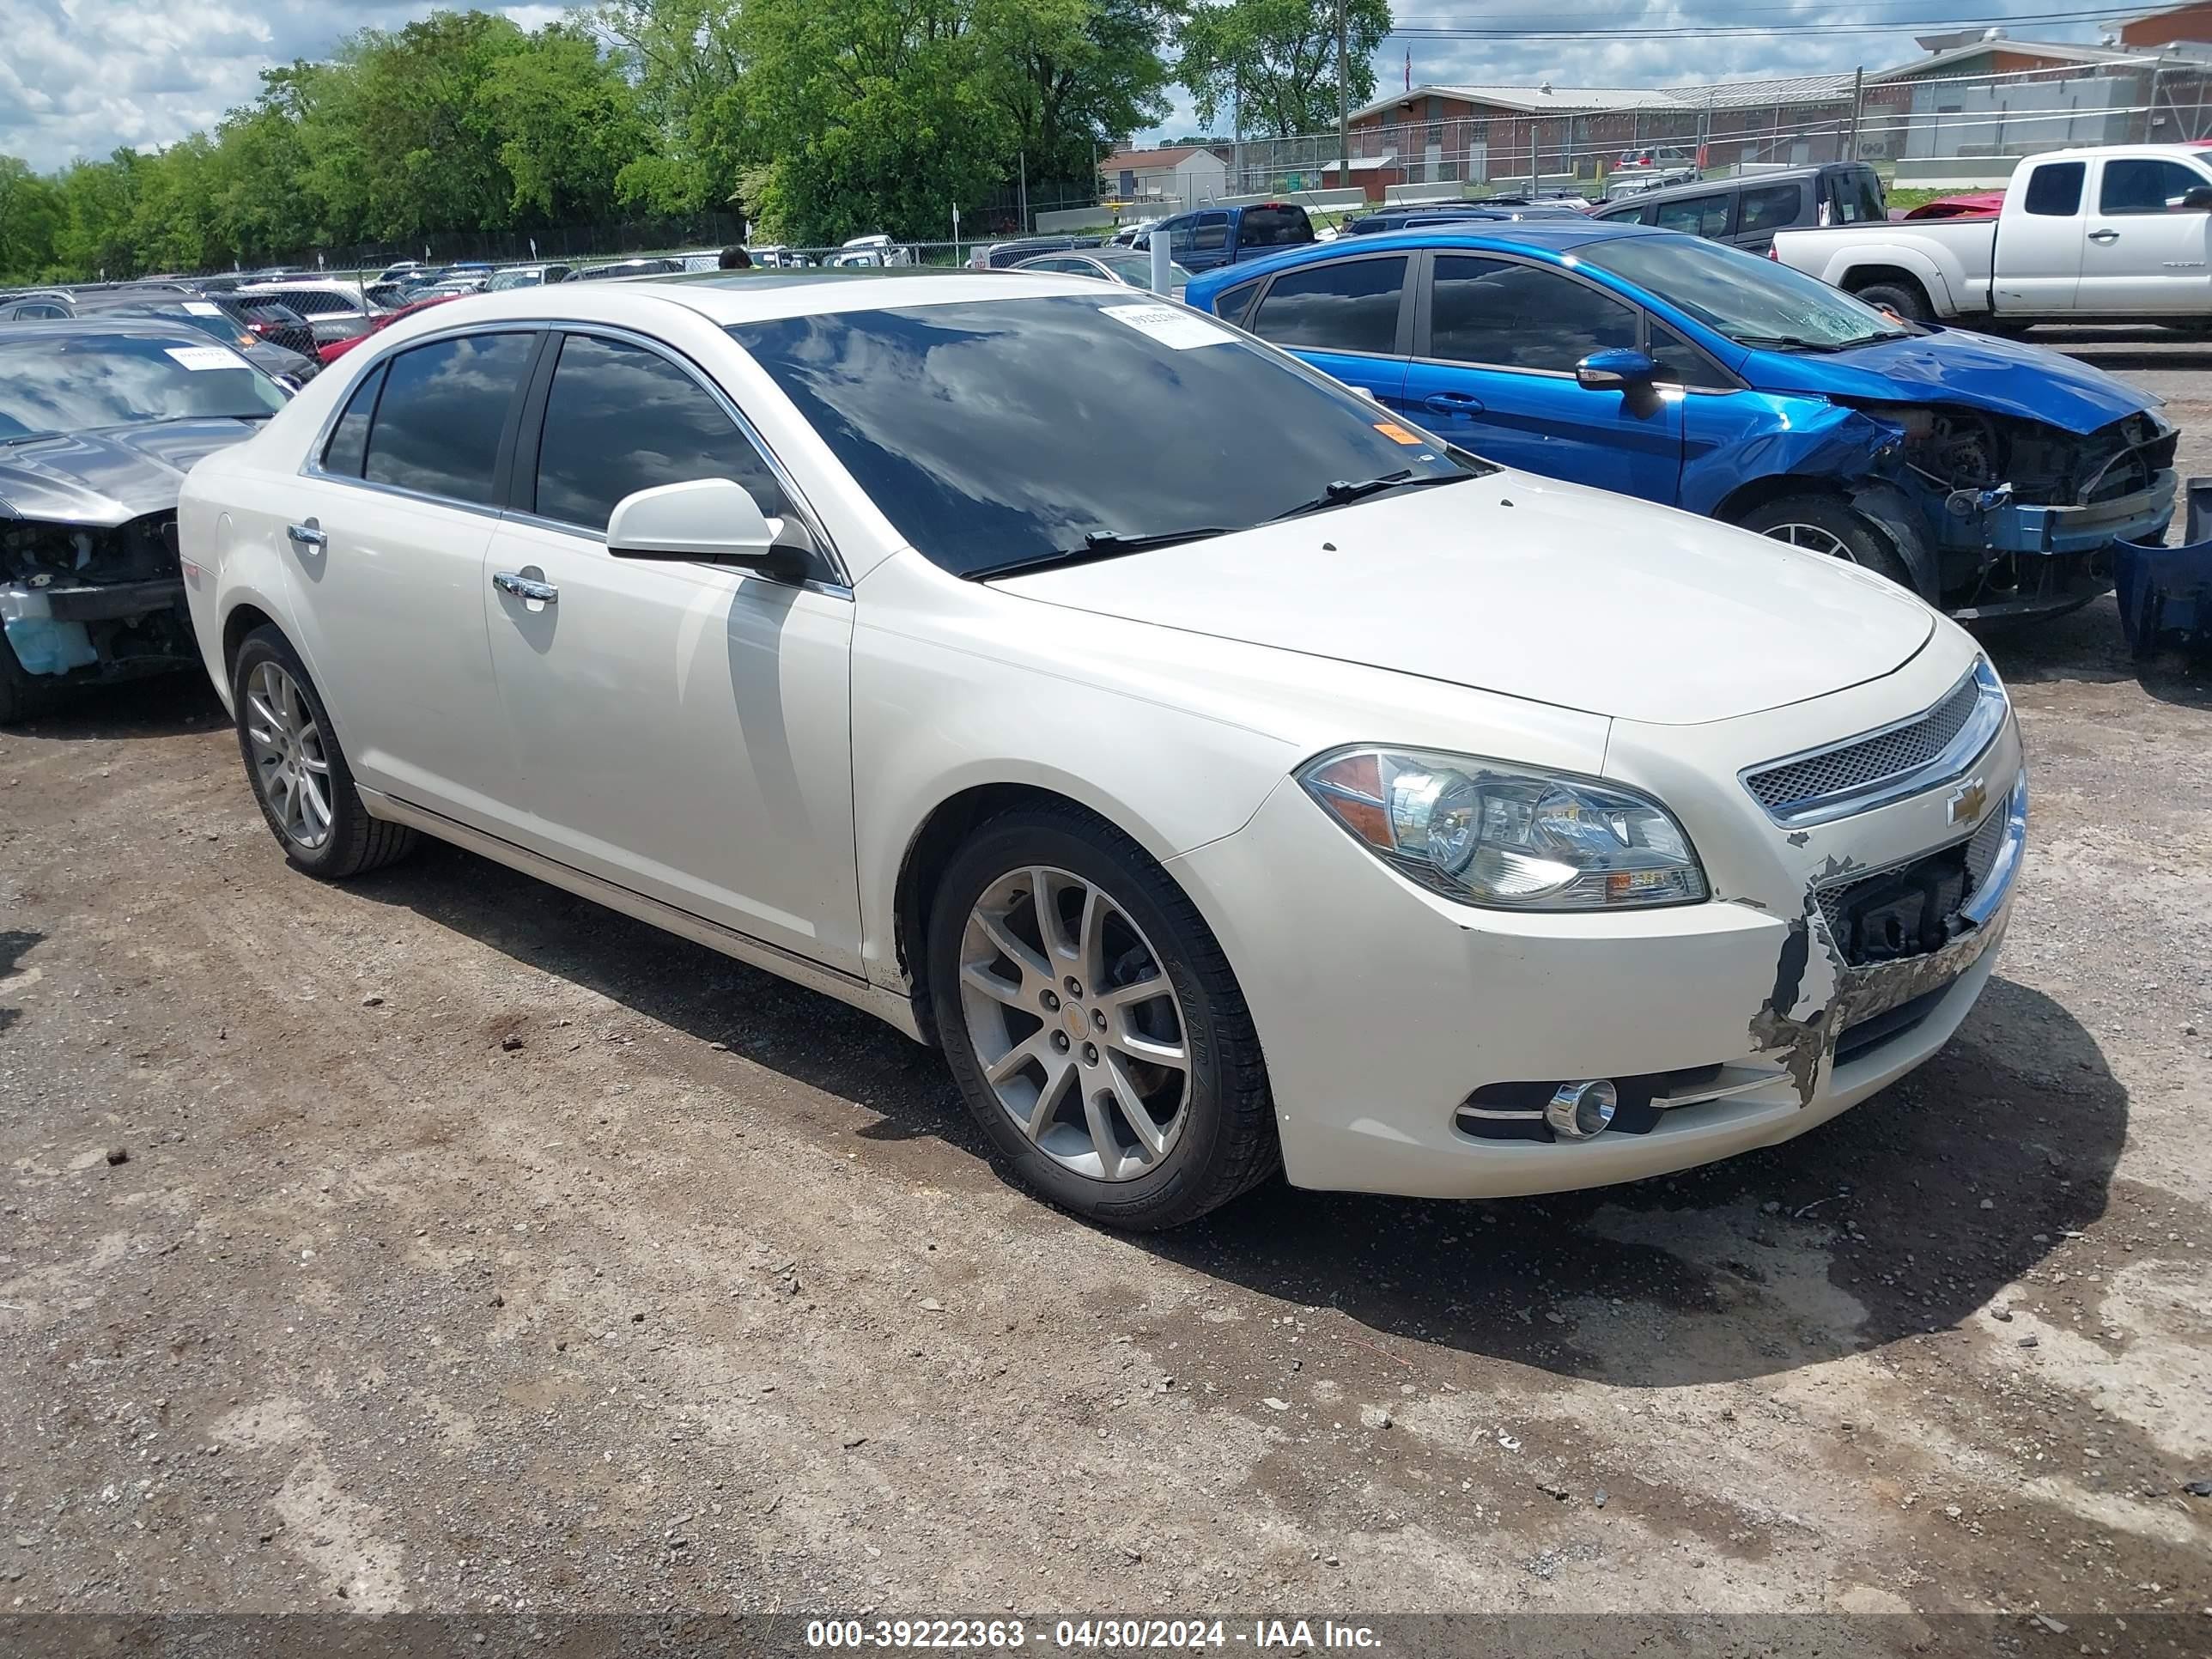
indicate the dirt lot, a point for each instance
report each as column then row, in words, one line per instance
column 476, row 1248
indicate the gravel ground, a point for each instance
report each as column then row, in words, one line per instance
column 443, row 1243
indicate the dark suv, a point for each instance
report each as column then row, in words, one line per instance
column 1746, row 210
column 1222, row 235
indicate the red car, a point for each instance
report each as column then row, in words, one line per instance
column 1976, row 205
column 338, row 349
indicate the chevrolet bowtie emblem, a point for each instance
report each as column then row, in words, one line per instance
column 1968, row 800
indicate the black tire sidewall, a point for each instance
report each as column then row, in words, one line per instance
column 1870, row 548
column 348, row 815
column 1011, row 843
column 1895, row 297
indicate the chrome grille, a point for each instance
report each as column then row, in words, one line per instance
column 1793, row 788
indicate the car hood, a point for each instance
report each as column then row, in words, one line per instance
column 1528, row 587
column 110, row 477
column 2007, row 376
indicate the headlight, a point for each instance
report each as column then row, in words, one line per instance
column 1507, row 836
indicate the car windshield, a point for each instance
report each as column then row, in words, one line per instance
column 1754, row 301
column 1136, row 269
column 507, row 279
column 965, row 426
column 69, row 385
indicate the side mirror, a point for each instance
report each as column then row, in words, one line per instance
column 2198, row 199
column 1622, row 368
column 706, row 521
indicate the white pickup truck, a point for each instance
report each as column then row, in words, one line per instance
column 2115, row 234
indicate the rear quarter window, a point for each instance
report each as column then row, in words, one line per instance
column 1234, row 302
column 2054, row 190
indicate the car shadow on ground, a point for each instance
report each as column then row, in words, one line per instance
column 2086, row 646
column 1867, row 1231
column 157, row 706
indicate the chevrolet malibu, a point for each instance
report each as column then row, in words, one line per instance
column 1223, row 772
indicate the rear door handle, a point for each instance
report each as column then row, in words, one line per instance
column 1452, row 403
column 2104, row 236
column 309, row 536
column 526, row 586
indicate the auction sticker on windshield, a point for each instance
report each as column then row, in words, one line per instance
column 1171, row 326
column 207, row 357
column 202, row 308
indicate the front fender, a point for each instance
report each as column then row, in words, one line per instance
column 1750, row 445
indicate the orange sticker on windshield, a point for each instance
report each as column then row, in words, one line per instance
column 1398, row 434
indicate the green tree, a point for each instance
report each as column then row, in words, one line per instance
column 875, row 114
column 30, row 213
column 1074, row 76
column 96, row 199
column 686, row 62
column 1276, row 59
column 568, row 121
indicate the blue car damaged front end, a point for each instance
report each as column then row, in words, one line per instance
column 2003, row 474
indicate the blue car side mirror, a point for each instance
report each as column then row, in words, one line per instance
column 1621, row 369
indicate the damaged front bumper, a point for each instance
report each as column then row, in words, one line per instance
column 61, row 630
column 2028, row 561
column 2166, row 592
column 1411, row 1041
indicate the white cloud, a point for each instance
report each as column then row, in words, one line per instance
column 83, row 77
column 79, row 77
column 1598, row 61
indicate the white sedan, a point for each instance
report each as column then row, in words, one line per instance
column 1222, row 772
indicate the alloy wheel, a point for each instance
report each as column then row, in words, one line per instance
column 1812, row 538
column 1073, row 1023
column 290, row 765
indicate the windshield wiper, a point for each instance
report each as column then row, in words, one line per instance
column 1100, row 544
column 1342, row 494
column 1796, row 342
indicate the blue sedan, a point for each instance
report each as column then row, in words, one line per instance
column 1993, row 476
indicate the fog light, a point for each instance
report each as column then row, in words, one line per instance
column 1579, row 1110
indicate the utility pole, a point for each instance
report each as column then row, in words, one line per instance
column 1343, row 110
column 1022, row 158
column 1859, row 92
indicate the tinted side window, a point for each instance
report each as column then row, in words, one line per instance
column 1700, row 216
column 348, row 444
column 2054, row 189
column 1212, row 234
column 1231, row 303
column 1351, row 305
column 619, row 418
column 1679, row 362
column 1770, row 208
column 2144, row 186
column 1275, row 227
column 1485, row 310
column 438, row 424
column 1854, row 197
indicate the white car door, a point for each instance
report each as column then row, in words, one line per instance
column 2039, row 240
column 2146, row 254
column 384, row 550
column 684, row 731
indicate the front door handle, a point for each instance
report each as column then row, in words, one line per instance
column 1452, row 403
column 2103, row 237
column 526, row 586
column 309, row 536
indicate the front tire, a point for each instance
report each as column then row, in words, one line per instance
column 1093, row 1023
column 1906, row 299
column 298, row 771
column 1830, row 525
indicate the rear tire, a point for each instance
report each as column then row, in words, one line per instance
column 1832, row 525
column 298, row 773
column 1057, row 1012
column 1906, row 299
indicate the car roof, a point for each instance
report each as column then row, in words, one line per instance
column 1562, row 235
column 726, row 297
column 1742, row 180
column 103, row 328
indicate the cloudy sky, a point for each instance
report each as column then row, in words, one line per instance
column 78, row 77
